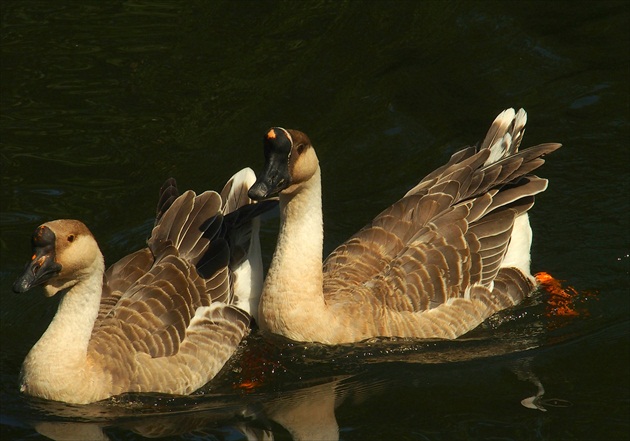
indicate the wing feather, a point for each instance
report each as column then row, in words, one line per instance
column 446, row 238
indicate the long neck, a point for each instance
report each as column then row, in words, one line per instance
column 58, row 359
column 292, row 299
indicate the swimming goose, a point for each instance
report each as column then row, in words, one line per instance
column 453, row 251
column 163, row 319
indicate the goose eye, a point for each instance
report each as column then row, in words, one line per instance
column 71, row 238
column 300, row 148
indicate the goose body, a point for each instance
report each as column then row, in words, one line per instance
column 452, row 251
column 163, row 319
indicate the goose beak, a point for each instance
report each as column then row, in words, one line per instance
column 274, row 178
column 40, row 269
column 259, row 191
column 42, row 266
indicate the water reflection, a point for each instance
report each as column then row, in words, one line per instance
column 523, row 370
column 308, row 413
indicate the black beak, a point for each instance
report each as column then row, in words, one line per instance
column 39, row 270
column 42, row 266
column 275, row 176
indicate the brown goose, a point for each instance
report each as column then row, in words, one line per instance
column 453, row 251
column 162, row 319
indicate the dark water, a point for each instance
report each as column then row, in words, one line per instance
column 102, row 101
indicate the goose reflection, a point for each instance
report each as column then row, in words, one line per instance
column 524, row 372
column 307, row 413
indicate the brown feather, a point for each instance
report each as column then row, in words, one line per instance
column 448, row 234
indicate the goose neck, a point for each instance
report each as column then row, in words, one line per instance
column 66, row 340
column 293, row 291
column 301, row 235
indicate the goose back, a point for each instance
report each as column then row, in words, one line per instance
column 447, row 237
column 185, row 303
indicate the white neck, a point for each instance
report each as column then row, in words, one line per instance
column 59, row 359
column 292, row 302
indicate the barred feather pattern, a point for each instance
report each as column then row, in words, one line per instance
column 169, row 316
column 174, row 329
column 431, row 264
column 180, row 327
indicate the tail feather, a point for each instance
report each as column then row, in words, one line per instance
column 173, row 219
column 242, row 224
column 496, row 184
column 505, row 134
column 168, row 194
column 234, row 193
column 185, row 224
column 192, row 240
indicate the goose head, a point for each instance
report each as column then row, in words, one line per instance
column 64, row 253
column 290, row 160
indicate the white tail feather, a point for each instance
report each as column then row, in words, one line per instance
column 518, row 254
column 248, row 275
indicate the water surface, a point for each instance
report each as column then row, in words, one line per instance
column 102, row 101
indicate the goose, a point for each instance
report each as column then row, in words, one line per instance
column 451, row 252
column 163, row 319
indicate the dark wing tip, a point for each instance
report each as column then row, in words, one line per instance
column 168, row 194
